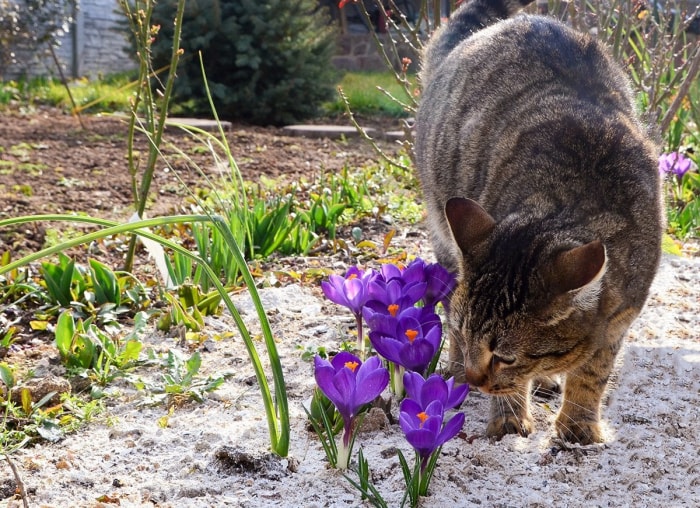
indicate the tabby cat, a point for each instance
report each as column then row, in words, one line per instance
column 543, row 192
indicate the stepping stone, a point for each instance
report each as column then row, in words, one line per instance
column 325, row 131
column 200, row 123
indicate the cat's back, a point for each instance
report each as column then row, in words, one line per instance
column 519, row 85
column 527, row 47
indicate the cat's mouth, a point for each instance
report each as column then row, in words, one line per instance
column 490, row 388
column 495, row 390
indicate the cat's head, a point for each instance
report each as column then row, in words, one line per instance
column 526, row 303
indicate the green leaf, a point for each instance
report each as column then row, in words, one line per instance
column 193, row 363
column 55, row 284
column 131, row 352
column 6, row 376
column 44, row 400
column 65, row 329
column 105, row 283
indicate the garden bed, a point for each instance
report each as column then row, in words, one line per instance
column 215, row 453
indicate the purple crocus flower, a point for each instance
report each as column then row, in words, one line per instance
column 390, row 271
column 440, row 282
column 674, row 163
column 424, row 391
column 394, row 296
column 425, row 428
column 351, row 291
column 410, row 339
column 350, row 384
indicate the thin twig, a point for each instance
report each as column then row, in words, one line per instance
column 76, row 111
column 682, row 91
column 18, row 479
column 365, row 136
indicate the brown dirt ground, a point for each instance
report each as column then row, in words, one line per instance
column 49, row 164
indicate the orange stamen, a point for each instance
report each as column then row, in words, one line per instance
column 422, row 416
column 411, row 334
column 352, row 365
column 352, row 276
column 393, row 309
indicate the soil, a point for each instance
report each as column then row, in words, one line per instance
column 216, row 453
column 49, row 164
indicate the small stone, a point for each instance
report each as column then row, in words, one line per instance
column 374, row 420
column 41, row 387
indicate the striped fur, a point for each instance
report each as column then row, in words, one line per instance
column 542, row 190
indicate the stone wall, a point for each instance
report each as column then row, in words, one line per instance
column 95, row 44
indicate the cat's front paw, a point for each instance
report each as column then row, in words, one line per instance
column 579, row 431
column 509, row 424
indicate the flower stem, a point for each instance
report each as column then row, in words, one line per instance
column 344, row 451
column 397, row 372
column 360, row 336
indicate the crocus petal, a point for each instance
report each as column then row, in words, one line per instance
column 393, row 291
column 414, row 272
column 324, row 379
column 333, row 289
column 344, row 383
column 408, row 411
column 408, row 422
column 433, row 336
column 422, row 440
column 344, row 357
column 434, row 388
column 390, row 272
column 414, row 291
column 372, row 379
column 416, row 356
column 355, row 294
column 456, row 395
column 413, row 384
column 440, row 284
column 386, row 346
column 451, row 429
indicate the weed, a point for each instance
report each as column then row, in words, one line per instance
column 181, row 380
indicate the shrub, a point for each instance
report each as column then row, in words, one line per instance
column 266, row 61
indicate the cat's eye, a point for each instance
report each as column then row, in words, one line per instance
column 505, row 360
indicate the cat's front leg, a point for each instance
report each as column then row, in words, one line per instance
column 510, row 414
column 578, row 420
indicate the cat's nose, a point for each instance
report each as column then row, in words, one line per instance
column 475, row 378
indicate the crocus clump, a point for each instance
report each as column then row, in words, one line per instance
column 674, row 163
column 398, row 305
column 350, row 384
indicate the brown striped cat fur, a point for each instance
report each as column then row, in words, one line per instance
column 542, row 190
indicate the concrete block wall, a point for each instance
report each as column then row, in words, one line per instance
column 359, row 52
column 95, row 44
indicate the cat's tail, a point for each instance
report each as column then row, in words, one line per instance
column 472, row 15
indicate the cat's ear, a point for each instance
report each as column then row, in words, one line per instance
column 469, row 222
column 580, row 268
